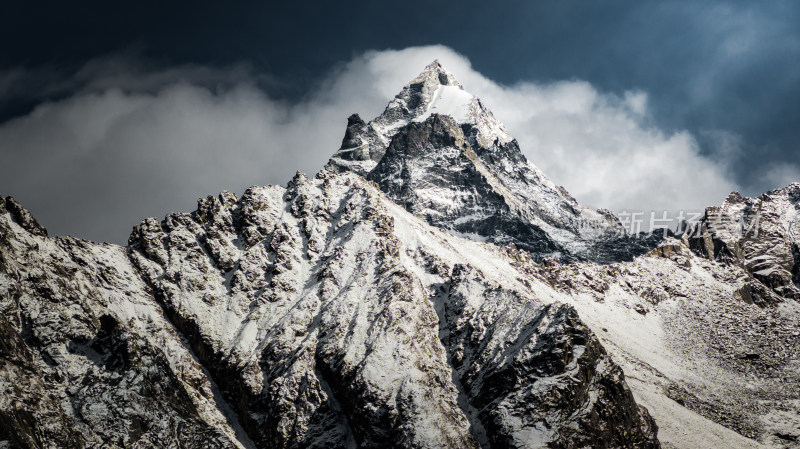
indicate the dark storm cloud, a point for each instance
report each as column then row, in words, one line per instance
column 722, row 66
column 711, row 65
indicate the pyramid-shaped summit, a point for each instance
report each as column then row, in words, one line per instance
column 440, row 153
column 434, row 91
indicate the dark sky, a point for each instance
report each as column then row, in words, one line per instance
column 714, row 68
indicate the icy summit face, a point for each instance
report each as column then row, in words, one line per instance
column 440, row 152
column 434, row 91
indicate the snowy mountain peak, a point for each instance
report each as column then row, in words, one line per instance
column 440, row 152
column 420, row 94
column 434, row 91
column 437, row 74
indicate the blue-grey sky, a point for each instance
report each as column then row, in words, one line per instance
column 708, row 80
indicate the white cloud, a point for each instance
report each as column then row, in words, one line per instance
column 97, row 162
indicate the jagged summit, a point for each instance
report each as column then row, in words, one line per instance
column 434, row 91
column 435, row 72
column 439, row 151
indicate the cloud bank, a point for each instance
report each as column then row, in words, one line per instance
column 134, row 142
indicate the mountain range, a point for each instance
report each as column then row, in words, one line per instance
column 429, row 287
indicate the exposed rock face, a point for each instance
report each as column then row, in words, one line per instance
column 439, row 152
column 761, row 235
column 520, row 364
column 87, row 358
column 431, row 169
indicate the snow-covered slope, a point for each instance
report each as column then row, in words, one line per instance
column 87, row 357
column 440, row 152
column 327, row 315
column 347, row 319
column 714, row 368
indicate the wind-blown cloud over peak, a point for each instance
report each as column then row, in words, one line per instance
column 99, row 160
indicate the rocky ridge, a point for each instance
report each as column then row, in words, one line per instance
column 87, row 357
column 327, row 315
column 759, row 234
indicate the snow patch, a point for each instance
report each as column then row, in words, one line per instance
column 452, row 101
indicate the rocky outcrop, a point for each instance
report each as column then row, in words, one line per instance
column 519, row 364
column 759, row 234
column 21, row 216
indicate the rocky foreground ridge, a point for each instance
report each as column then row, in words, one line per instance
column 382, row 303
